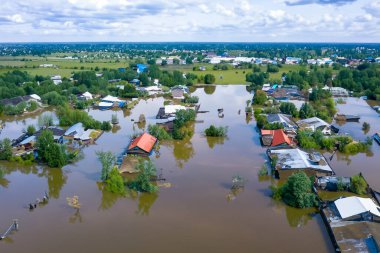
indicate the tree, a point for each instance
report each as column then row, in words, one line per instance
column 209, row 79
column 260, row 97
column 358, row 185
column 52, row 153
column 30, row 130
column 296, row 192
column 45, row 120
column 216, row 131
column 107, row 159
column 306, row 111
column 158, row 132
column 289, row 108
column 143, row 183
column 114, row 182
column 5, row 149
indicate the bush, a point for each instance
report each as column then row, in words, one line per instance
column 289, row 108
column 306, row 111
column 32, row 106
column 209, row 79
column 143, row 183
column 260, row 97
column 114, row 182
column 158, row 132
column 273, row 126
column 5, row 149
column 192, row 100
column 261, row 121
column 181, row 124
column 296, row 192
column 30, row 130
column 107, row 159
column 216, row 131
column 358, row 185
column 106, row 126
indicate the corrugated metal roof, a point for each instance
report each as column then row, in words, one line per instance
column 145, row 142
column 352, row 206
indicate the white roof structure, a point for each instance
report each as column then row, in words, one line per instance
column 171, row 109
column 35, row 96
column 266, row 87
column 111, row 99
column 87, row 95
column 351, row 206
column 313, row 123
column 293, row 159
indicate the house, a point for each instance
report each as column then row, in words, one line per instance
column 330, row 183
column 151, row 90
column 266, row 87
column 86, row 96
column 74, row 132
column 275, row 138
column 110, row 101
column 357, row 209
column 315, row 124
column 141, row 68
column 292, row 60
column 178, row 92
column 285, row 120
column 289, row 160
column 135, row 82
column 169, row 111
column 57, row 133
column 57, row 79
column 142, row 145
column 168, row 125
column 17, row 100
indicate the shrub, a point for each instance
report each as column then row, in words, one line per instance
column 209, row 79
column 5, row 149
column 260, row 97
column 106, row 126
column 358, row 185
column 216, row 131
column 192, row 100
column 107, row 159
column 30, row 130
column 158, row 132
column 143, row 183
column 296, row 192
column 289, row 108
column 114, row 182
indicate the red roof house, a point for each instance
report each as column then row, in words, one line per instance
column 275, row 138
column 142, row 145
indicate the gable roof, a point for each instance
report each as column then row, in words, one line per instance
column 282, row 118
column 351, row 206
column 16, row 100
column 145, row 142
column 279, row 137
column 314, row 122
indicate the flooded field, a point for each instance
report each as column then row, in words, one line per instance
column 199, row 213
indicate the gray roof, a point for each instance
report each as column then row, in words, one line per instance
column 298, row 159
column 16, row 100
column 281, row 118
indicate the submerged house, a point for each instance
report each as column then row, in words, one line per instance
column 109, row 102
column 74, row 132
column 142, row 145
column 56, row 131
column 288, row 161
column 169, row 111
column 285, row 120
column 315, row 124
column 276, row 138
column 330, row 183
column 357, row 209
column 17, row 100
column 178, row 92
column 86, row 96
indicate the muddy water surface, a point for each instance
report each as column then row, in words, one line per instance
column 194, row 215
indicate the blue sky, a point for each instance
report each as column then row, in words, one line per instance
column 190, row 20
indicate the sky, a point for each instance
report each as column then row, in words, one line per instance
column 190, row 20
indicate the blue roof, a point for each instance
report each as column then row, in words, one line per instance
column 141, row 67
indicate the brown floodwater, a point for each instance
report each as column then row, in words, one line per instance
column 199, row 213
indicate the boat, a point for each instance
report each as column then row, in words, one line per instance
column 347, row 117
column 376, row 137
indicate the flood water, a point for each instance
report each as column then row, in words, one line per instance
column 194, row 215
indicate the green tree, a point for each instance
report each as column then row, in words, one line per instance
column 30, row 130
column 5, row 149
column 306, row 111
column 260, row 97
column 107, row 159
column 209, row 79
column 358, row 185
column 216, row 131
column 52, row 153
column 289, row 108
column 143, row 182
column 296, row 192
column 114, row 182
column 158, row 132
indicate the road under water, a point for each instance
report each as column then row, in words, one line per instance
column 194, row 215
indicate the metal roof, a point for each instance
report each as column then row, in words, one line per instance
column 351, row 206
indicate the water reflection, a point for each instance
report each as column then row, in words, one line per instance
column 56, row 179
column 108, row 198
column 209, row 89
column 115, row 128
column 146, row 200
column 76, row 217
column 212, row 141
column 183, row 151
column 296, row 217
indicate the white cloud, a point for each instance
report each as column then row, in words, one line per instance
column 190, row 20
